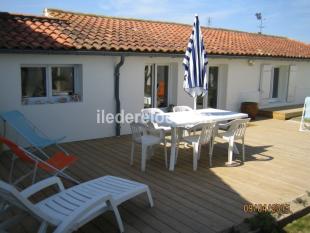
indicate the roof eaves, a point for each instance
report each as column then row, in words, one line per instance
column 149, row 54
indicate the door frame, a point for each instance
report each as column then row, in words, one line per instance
column 154, row 82
column 221, row 86
column 271, row 99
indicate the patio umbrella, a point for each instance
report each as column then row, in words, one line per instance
column 195, row 63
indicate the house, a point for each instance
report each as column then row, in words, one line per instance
column 62, row 68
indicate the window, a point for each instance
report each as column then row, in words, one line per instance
column 156, row 95
column 51, row 84
column 63, row 81
column 33, row 82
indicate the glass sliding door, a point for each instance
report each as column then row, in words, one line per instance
column 156, row 82
column 162, row 86
column 213, row 86
column 149, row 74
column 275, row 83
column 212, row 89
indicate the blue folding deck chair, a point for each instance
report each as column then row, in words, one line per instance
column 29, row 131
column 305, row 118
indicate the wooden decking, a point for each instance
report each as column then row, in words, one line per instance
column 209, row 200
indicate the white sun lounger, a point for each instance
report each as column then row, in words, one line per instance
column 71, row 208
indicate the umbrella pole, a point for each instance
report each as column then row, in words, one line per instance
column 195, row 102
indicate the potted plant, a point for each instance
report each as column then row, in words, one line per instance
column 251, row 108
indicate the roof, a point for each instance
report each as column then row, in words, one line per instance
column 63, row 30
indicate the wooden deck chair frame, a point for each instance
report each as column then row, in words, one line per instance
column 38, row 163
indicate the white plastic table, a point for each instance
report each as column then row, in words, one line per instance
column 176, row 120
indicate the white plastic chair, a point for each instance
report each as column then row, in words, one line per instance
column 305, row 118
column 235, row 131
column 183, row 131
column 69, row 209
column 181, row 108
column 147, row 136
column 203, row 135
column 153, row 111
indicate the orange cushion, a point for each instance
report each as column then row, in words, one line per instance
column 59, row 160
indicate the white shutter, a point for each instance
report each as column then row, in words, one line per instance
column 291, row 84
column 265, row 81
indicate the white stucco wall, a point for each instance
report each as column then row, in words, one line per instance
column 244, row 80
column 78, row 120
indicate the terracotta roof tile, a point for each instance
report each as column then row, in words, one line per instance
column 75, row 31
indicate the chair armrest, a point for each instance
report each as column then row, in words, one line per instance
column 159, row 132
column 42, row 185
column 225, row 124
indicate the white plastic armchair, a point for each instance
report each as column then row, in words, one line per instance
column 147, row 136
column 183, row 131
column 235, row 131
column 203, row 135
column 181, row 108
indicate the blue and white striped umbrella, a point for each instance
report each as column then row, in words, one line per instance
column 195, row 63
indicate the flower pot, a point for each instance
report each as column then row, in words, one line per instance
column 251, row 108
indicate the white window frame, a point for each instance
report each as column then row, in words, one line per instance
column 49, row 98
column 154, row 82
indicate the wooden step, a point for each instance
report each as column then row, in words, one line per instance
column 282, row 113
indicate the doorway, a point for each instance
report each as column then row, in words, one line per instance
column 212, row 96
column 156, row 85
column 213, row 87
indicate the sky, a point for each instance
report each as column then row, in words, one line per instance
column 289, row 18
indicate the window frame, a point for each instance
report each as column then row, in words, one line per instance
column 50, row 98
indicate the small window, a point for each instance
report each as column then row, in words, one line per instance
column 51, row 84
column 63, row 81
column 33, row 82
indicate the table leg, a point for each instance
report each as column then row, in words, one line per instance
column 230, row 151
column 173, row 148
